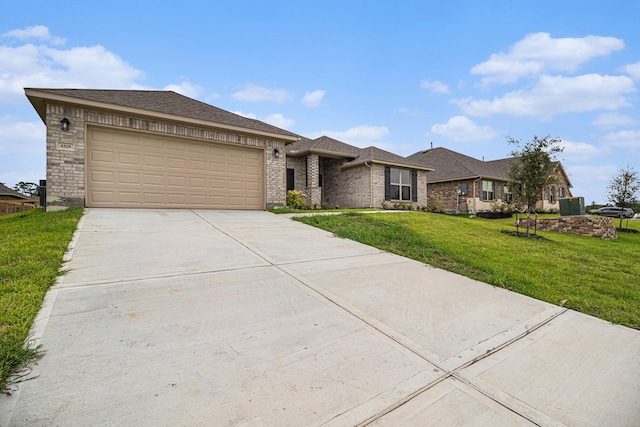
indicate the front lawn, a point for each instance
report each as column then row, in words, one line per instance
column 32, row 244
column 597, row 277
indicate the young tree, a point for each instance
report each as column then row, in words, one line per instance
column 532, row 171
column 623, row 189
column 26, row 188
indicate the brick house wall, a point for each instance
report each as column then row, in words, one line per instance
column 354, row 187
column 66, row 151
column 443, row 194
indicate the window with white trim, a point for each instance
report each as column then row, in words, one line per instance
column 507, row 196
column 488, row 188
column 400, row 180
column 552, row 194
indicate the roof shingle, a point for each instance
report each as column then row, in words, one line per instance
column 166, row 102
column 355, row 156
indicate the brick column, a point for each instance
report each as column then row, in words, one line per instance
column 313, row 191
column 65, row 158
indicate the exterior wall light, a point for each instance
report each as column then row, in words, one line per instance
column 64, row 124
column 276, row 153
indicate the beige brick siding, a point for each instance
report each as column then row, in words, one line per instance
column 443, row 194
column 355, row 187
column 66, row 167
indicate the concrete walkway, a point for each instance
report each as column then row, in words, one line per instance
column 181, row 318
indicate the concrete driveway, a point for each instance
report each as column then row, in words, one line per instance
column 177, row 317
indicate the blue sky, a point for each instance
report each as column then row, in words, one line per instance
column 397, row 75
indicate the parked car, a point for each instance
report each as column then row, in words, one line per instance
column 613, row 212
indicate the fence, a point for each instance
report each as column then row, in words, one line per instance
column 13, row 206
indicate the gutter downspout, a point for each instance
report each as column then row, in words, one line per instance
column 371, row 183
column 475, row 210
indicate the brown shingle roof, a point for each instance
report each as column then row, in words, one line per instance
column 165, row 102
column 7, row 193
column 376, row 155
column 329, row 147
column 450, row 165
column 323, row 145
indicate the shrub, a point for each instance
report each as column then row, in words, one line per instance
column 296, row 199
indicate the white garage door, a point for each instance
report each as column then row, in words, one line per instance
column 137, row 170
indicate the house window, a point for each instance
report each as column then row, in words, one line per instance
column 291, row 179
column 561, row 192
column 463, row 189
column 400, row 180
column 400, row 184
column 552, row 194
column 507, row 196
column 487, row 190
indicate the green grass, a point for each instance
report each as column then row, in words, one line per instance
column 287, row 210
column 32, row 244
column 597, row 277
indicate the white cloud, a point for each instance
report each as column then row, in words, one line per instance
column 279, row 120
column 36, row 32
column 185, row 88
column 247, row 115
column 460, row 128
column 81, row 67
column 435, row 86
column 22, row 151
column 590, row 181
column 625, row 138
column 575, row 151
column 253, row 93
column 276, row 119
column 360, row 136
column 313, row 99
column 539, row 53
column 612, row 120
column 18, row 137
column 633, row 70
column 557, row 94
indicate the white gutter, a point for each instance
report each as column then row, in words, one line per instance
column 370, row 183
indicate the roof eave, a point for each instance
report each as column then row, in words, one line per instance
column 382, row 162
column 38, row 100
column 323, row 153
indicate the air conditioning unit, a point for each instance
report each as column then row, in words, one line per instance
column 571, row 206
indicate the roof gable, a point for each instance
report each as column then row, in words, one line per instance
column 6, row 192
column 163, row 102
column 328, row 147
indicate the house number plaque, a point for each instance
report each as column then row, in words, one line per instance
column 65, row 146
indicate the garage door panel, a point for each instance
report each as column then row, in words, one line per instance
column 104, row 196
column 100, row 176
column 100, row 135
column 129, row 178
column 129, row 159
column 176, row 163
column 153, row 179
column 151, row 160
column 129, row 169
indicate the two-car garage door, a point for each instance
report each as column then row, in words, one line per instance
column 138, row 170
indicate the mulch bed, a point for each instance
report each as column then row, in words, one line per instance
column 523, row 234
column 627, row 230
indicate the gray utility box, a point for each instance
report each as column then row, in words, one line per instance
column 571, row 206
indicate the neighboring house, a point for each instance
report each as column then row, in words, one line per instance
column 332, row 173
column 13, row 201
column 156, row 149
column 8, row 194
column 463, row 184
